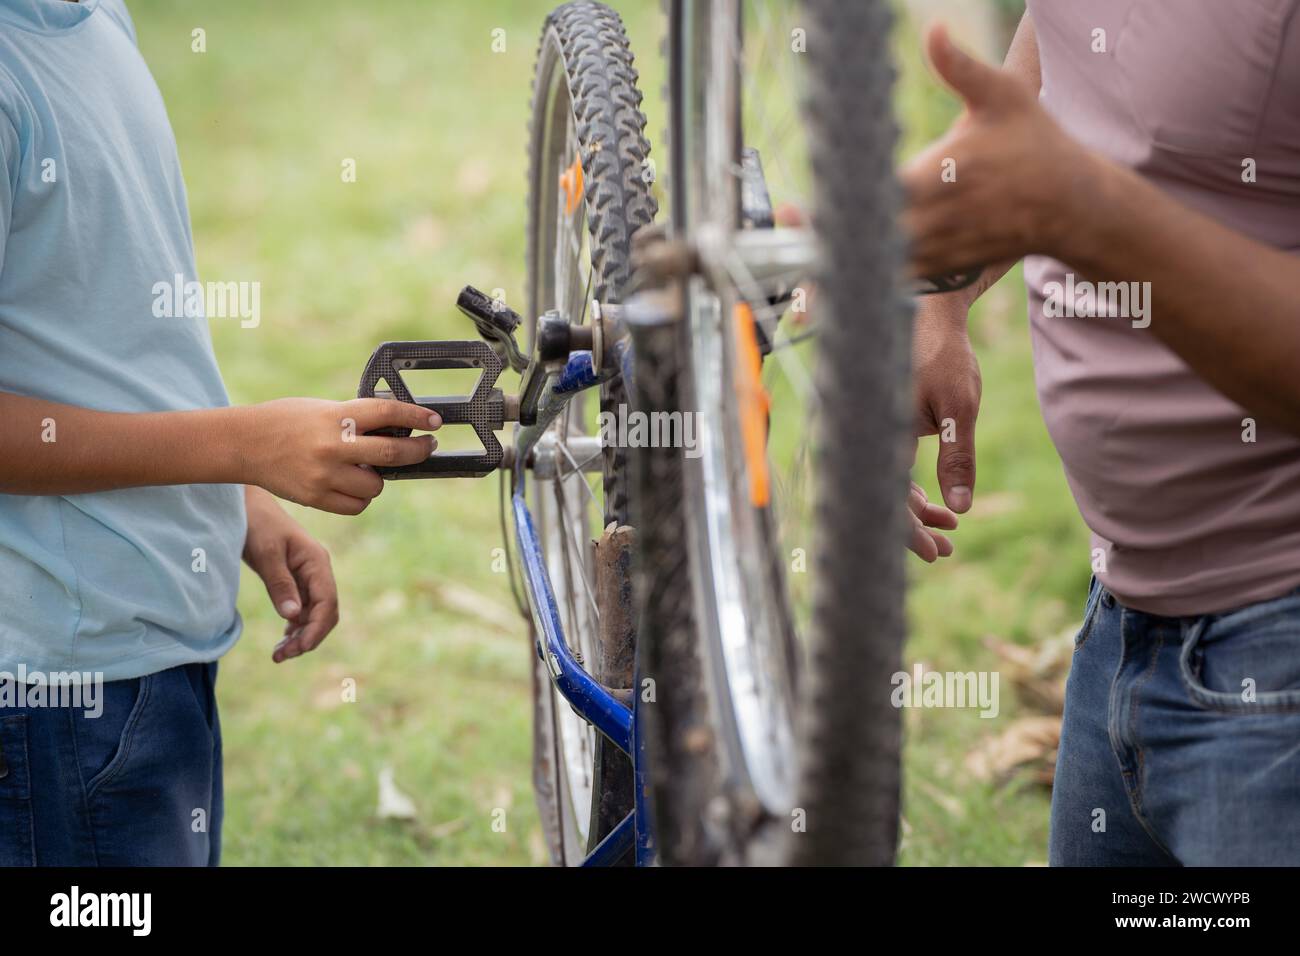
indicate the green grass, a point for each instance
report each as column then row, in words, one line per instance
column 435, row 122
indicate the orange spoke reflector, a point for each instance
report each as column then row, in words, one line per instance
column 755, row 404
column 571, row 183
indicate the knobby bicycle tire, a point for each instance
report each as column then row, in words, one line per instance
column 586, row 40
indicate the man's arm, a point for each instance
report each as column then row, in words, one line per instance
column 1225, row 303
column 1222, row 301
column 945, row 372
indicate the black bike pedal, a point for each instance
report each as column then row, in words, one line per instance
column 485, row 410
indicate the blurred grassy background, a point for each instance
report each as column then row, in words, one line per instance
column 435, row 121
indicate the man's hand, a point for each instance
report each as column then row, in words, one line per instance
column 924, row 540
column 947, row 384
column 943, row 374
column 296, row 571
column 1003, row 182
column 317, row 453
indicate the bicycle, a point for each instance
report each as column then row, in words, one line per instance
column 712, row 672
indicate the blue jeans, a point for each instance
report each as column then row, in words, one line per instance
column 137, row 785
column 1181, row 739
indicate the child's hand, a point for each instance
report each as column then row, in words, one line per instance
column 317, row 453
column 296, row 571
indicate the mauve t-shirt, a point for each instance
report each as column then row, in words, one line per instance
column 1199, row 96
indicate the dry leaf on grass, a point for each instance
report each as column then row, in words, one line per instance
column 1037, row 674
column 1029, row 743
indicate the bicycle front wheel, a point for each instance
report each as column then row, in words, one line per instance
column 774, row 737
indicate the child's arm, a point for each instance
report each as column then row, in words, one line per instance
column 305, row 450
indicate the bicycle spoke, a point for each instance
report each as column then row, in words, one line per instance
column 571, row 542
column 577, row 470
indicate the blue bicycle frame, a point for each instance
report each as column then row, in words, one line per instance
column 591, row 700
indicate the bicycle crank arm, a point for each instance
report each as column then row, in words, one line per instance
column 485, row 410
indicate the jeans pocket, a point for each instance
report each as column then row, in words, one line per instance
column 17, row 833
column 1245, row 662
column 102, row 737
column 1090, row 611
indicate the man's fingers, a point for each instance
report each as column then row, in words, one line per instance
column 373, row 413
column 979, row 84
column 385, row 451
column 937, row 516
column 921, row 543
column 933, row 515
column 930, row 514
column 942, row 543
column 956, row 467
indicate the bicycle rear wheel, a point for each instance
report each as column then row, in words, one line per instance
column 588, row 194
column 773, row 736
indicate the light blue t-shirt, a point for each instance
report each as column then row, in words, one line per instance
column 93, row 217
